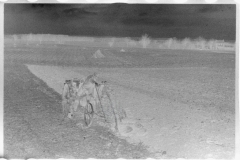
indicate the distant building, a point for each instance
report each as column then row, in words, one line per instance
column 219, row 44
column 222, row 45
column 229, row 46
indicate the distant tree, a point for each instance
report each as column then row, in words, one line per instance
column 169, row 43
column 60, row 39
column 40, row 37
column 29, row 38
column 201, row 42
column 175, row 43
column 145, row 41
column 111, row 42
column 186, row 42
column 212, row 44
column 15, row 38
column 127, row 40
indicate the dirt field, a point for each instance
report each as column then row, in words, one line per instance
column 184, row 100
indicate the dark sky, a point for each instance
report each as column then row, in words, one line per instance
column 217, row 21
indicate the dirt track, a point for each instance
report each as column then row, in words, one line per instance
column 186, row 112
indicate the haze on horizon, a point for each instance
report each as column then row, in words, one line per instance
column 210, row 21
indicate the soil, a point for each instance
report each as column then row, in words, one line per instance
column 180, row 103
column 34, row 127
column 172, row 110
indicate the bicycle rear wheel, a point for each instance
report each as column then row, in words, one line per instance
column 88, row 114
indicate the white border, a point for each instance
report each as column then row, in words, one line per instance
column 237, row 151
column 1, row 77
column 128, row 1
column 237, row 97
